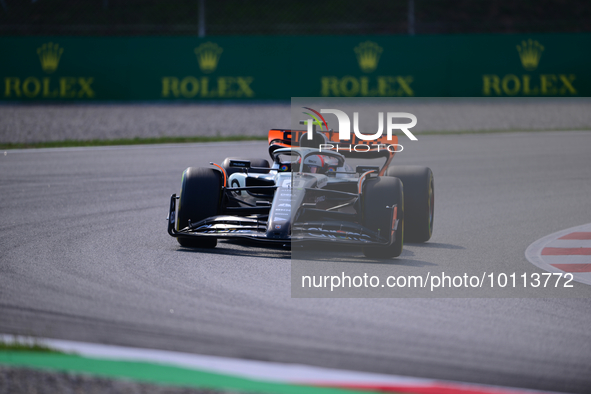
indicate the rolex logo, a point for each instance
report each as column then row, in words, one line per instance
column 49, row 56
column 368, row 55
column 530, row 52
column 208, row 55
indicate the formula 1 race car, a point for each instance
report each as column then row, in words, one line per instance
column 308, row 193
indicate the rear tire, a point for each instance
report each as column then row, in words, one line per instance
column 419, row 198
column 253, row 162
column 378, row 194
column 199, row 199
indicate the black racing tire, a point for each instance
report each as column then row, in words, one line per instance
column 378, row 196
column 253, row 162
column 419, row 197
column 200, row 197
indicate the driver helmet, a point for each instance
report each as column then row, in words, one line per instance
column 313, row 163
column 320, row 164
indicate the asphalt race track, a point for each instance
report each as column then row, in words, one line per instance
column 85, row 256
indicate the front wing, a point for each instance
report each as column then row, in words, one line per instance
column 336, row 230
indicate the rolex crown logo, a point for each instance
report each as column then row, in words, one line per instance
column 49, row 56
column 530, row 52
column 208, row 55
column 368, row 55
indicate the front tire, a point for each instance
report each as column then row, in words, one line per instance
column 419, row 197
column 379, row 195
column 199, row 199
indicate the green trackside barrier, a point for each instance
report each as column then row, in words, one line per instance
column 278, row 68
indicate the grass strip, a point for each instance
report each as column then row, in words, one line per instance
column 26, row 346
column 154, row 373
column 128, row 141
column 230, row 138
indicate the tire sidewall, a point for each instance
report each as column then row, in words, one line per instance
column 419, row 196
column 378, row 194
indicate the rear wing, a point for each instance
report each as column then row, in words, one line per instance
column 285, row 138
